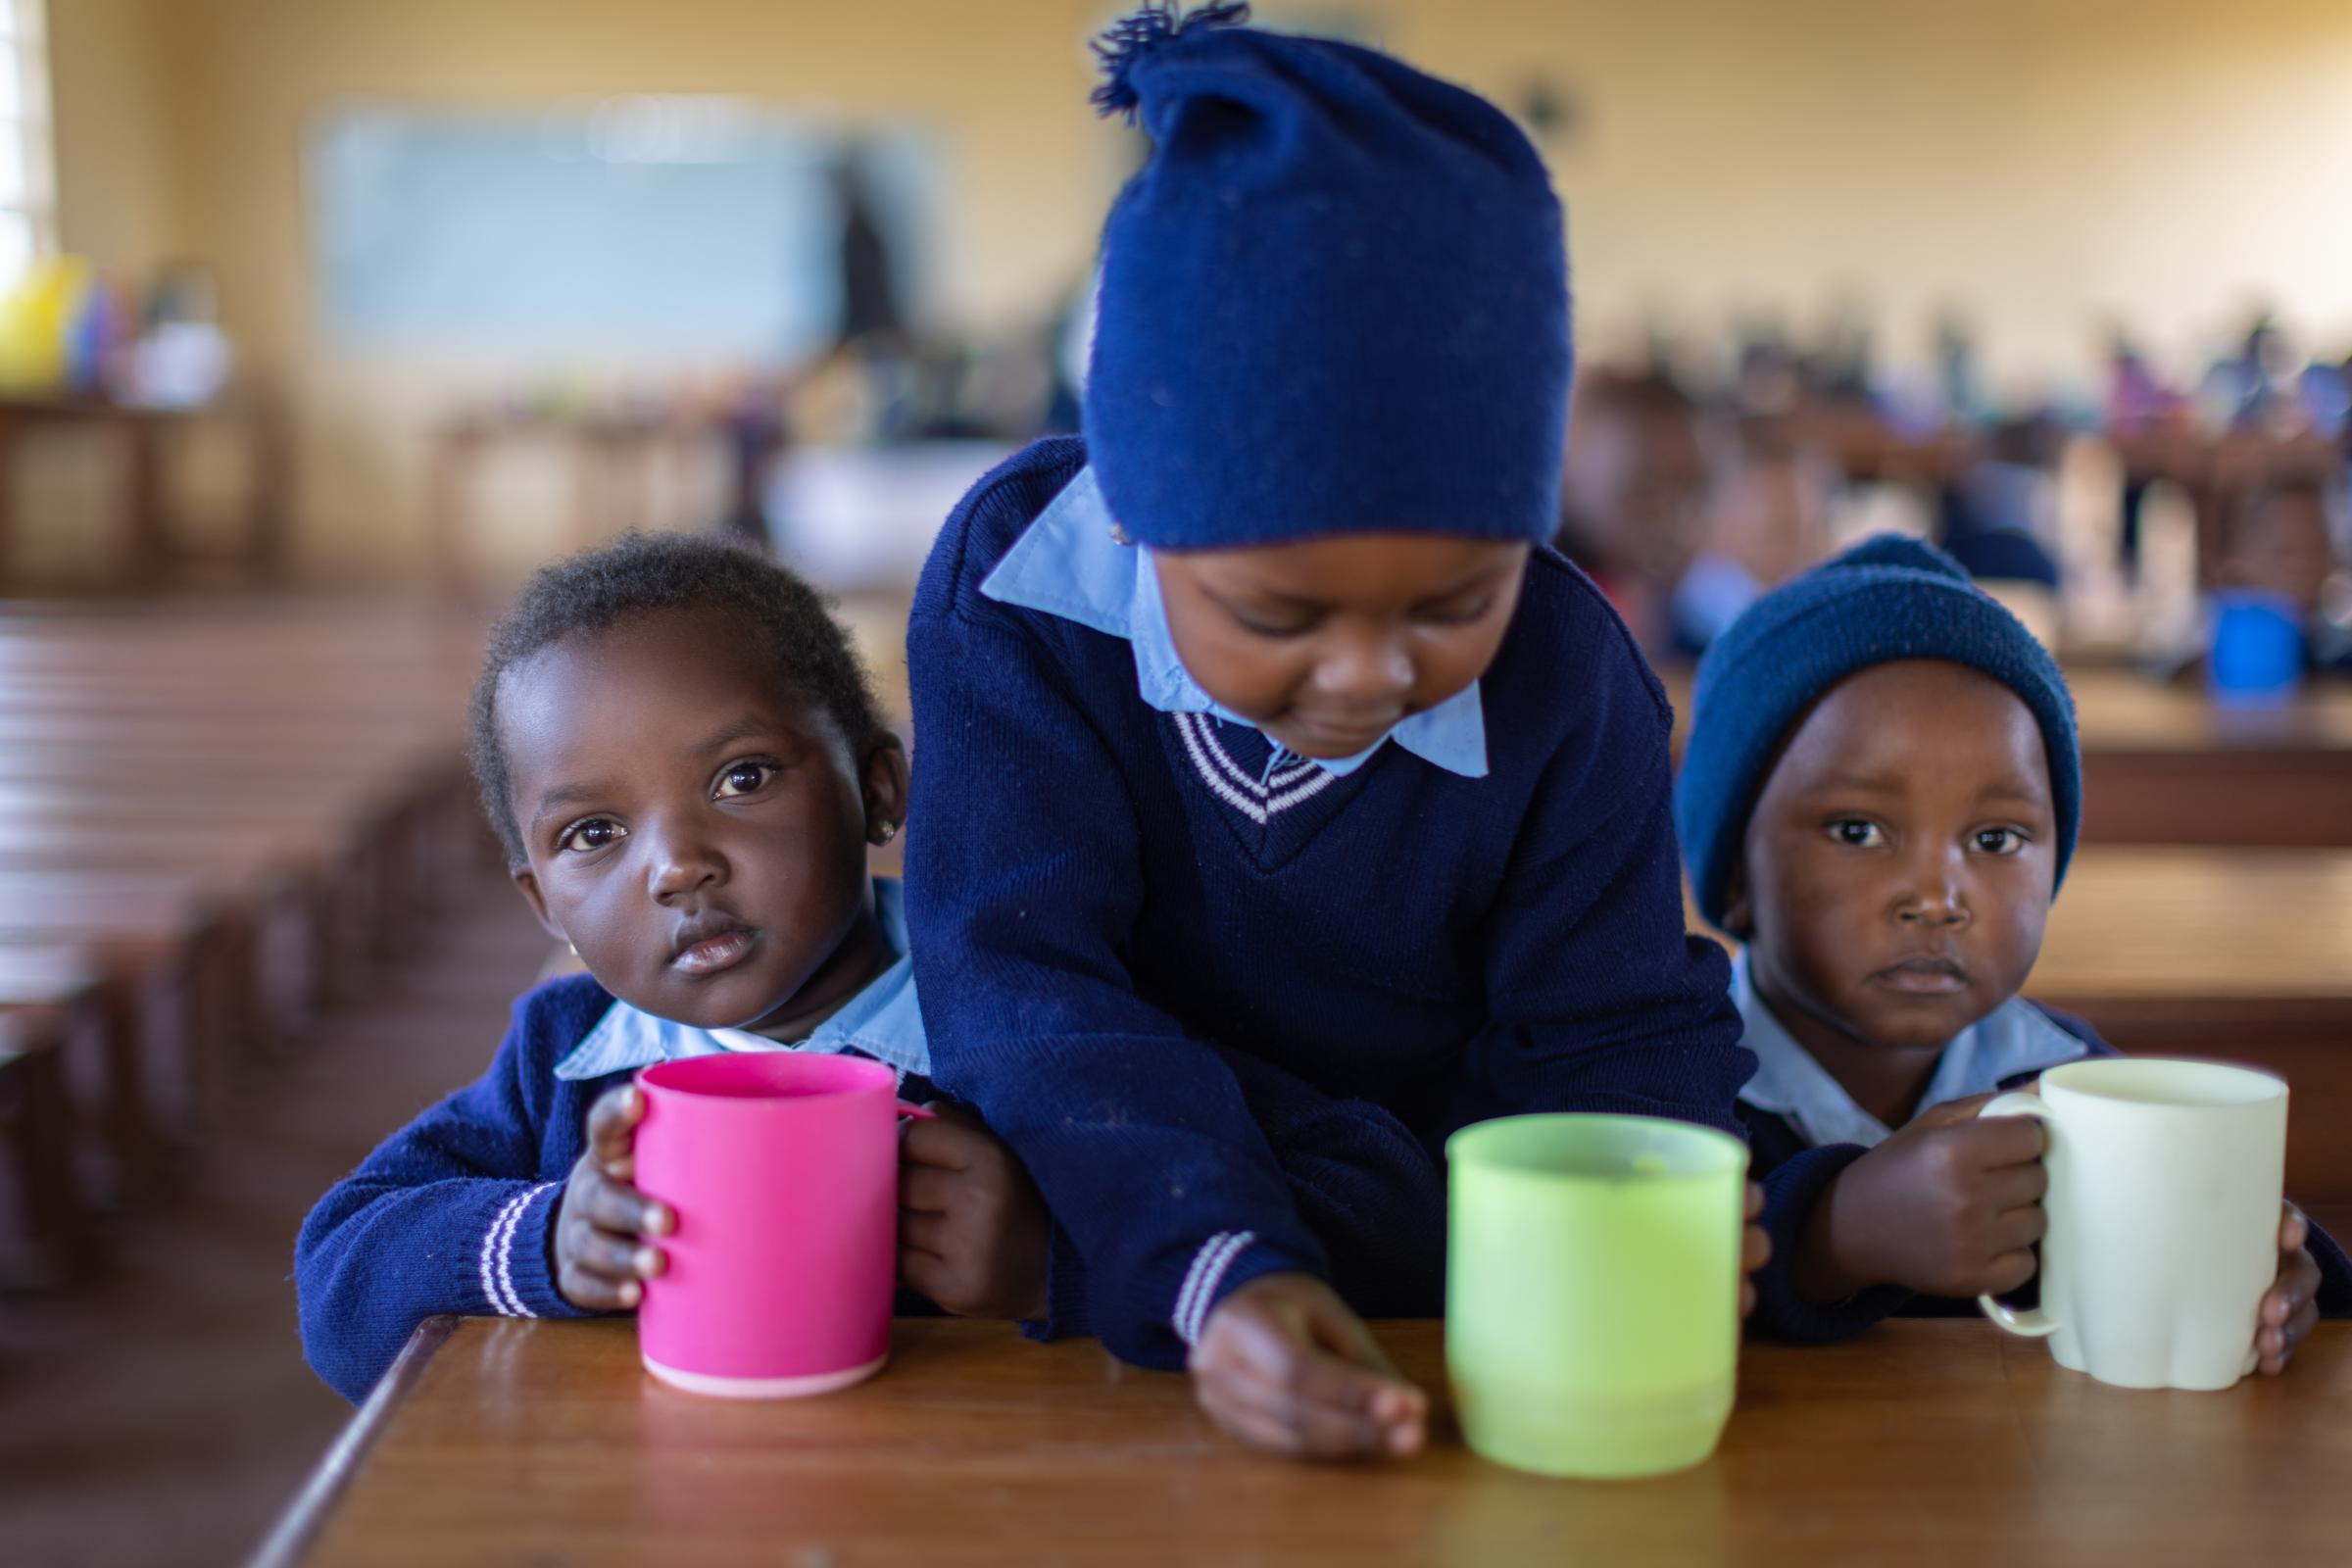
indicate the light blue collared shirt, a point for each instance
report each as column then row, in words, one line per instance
column 882, row 1021
column 2014, row 1039
column 1069, row 562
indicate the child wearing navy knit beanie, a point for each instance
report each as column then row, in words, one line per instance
column 1288, row 804
column 1880, row 796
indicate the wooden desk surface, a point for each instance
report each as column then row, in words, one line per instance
column 510, row 1442
column 2148, row 923
column 2122, row 711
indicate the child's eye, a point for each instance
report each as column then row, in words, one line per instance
column 594, row 834
column 1855, row 833
column 1458, row 615
column 742, row 778
column 1998, row 840
column 1297, row 627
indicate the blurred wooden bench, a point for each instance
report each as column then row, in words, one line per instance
column 212, row 820
column 2165, row 765
column 46, row 1233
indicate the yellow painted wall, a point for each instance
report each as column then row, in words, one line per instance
column 2038, row 162
column 118, row 189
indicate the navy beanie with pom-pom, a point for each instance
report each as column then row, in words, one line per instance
column 1887, row 598
column 1335, row 300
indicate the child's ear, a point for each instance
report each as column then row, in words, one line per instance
column 528, row 885
column 885, row 790
column 1738, row 919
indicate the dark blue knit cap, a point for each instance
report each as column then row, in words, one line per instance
column 1335, row 300
column 1887, row 598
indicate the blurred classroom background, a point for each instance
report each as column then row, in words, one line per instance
column 322, row 321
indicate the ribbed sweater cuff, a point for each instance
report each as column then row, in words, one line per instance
column 513, row 1265
column 1224, row 1263
column 1790, row 1195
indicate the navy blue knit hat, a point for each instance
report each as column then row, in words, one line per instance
column 1887, row 598
column 1335, row 300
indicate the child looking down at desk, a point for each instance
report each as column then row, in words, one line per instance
column 1288, row 804
column 1879, row 797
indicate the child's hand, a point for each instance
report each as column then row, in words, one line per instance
column 972, row 1229
column 1948, row 1205
column 2291, row 1306
column 1755, row 1250
column 601, row 1257
column 1284, row 1365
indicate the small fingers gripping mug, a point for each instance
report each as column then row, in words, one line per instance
column 783, row 1172
column 2166, row 1183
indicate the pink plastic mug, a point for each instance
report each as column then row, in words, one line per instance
column 783, row 1173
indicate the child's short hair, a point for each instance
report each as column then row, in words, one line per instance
column 591, row 591
column 1887, row 598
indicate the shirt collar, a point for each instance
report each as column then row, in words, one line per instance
column 1070, row 562
column 883, row 1021
column 2015, row 1039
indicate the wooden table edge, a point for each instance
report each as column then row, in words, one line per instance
column 297, row 1529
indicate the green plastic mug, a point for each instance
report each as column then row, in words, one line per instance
column 1593, row 1291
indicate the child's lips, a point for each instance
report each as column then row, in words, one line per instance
column 1925, row 976
column 1349, row 735
column 716, row 952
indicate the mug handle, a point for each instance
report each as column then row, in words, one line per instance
column 915, row 1113
column 2035, row 1322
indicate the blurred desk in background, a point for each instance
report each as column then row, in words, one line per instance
column 148, row 546
column 2168, row 947
column 2239, row 953
column 616, row 458
column 2218, row 473
column 2165, row 765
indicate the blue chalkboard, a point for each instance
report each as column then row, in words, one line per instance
column 685, row 223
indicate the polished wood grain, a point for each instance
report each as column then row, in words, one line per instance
column 2122, row 711
column 1921, row 1441
column 2162, row 924
column 2163, row 764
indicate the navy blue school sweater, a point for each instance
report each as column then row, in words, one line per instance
column 1797, row 1172
column 456, row 1212
column 1109, row 945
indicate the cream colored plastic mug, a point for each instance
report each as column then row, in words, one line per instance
column 2164, row 1199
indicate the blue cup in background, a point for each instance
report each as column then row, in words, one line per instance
column 2257, row 655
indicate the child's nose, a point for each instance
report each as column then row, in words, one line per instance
column 1935, row 889
column 1365, row 668
column 683, row 863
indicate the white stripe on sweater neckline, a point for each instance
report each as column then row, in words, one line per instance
column 1260, row 801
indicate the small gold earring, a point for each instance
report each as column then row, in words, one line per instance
column 890, row 831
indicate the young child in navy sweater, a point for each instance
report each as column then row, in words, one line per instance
column 1287, row 805
column 1879, row 797
column 682, row 757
